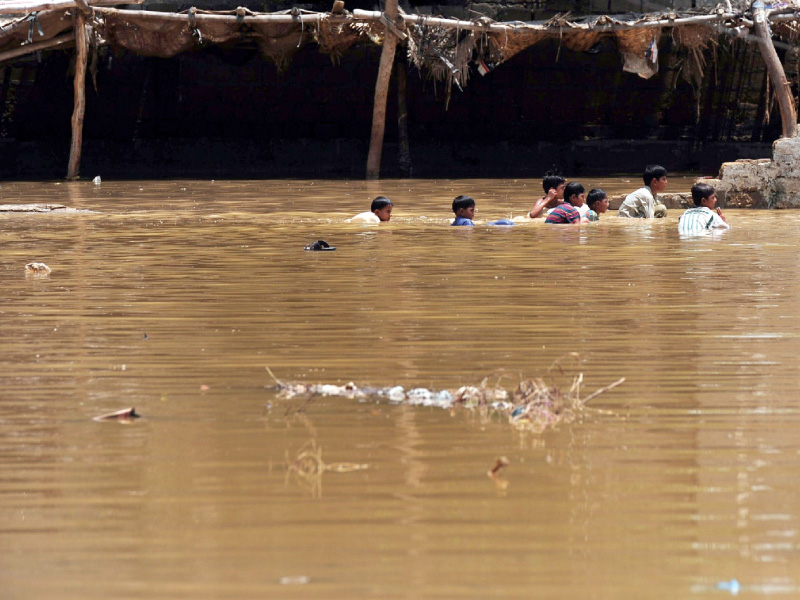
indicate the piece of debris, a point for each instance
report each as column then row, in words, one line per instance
column 97, row 180
column 533, row 406
column 319, row 246
column 41, row 208
column 500, row 483
column 126, row 415
column 37, row 268
column 501, row 462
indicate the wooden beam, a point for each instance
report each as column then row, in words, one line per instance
column 26, row 7
column 381, row 93
column 55, row 42
column 776, row 74
column 79, row 86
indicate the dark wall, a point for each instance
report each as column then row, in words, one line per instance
column 231, row 113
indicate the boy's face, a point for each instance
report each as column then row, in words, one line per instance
column 560, row 191
column 385, row 213
column 578, row 200
column 710, row 202
column 467, row 213
column 601, row 206
column 659, row 185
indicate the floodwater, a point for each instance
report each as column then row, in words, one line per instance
column 174, row 297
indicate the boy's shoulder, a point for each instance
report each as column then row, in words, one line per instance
column 365, row 217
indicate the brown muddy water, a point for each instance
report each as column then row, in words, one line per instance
column 174, row 297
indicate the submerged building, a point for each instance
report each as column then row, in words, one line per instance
column 477, row 89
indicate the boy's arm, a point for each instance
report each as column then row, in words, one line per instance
column 542, row 203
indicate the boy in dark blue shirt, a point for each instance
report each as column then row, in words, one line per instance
column 464, row 209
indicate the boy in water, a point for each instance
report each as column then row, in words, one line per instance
column 597, row 201
column 464, row 209
column 705, row 216
column 643, row 203
column 567, row 212
column 554, row 195
column 379, row 212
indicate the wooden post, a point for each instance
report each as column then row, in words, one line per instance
column 775, row 70
column 79, row 85
column 381, row 93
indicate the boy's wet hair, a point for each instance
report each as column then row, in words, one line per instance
column 701, row 191
column 380, row 203
column 594, row 196
column 552, row 181
column 462, row 202
column 573, row 189
column 653, row 172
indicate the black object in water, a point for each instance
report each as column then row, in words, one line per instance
column 320, row 245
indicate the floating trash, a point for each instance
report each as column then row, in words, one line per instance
column 97, row 180
column 126, row 415
column 320, row 245
column 731, row 586
column 533, row 406
column 294, row 580
column 37, row 268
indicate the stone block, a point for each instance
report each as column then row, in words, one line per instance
column 747, row 174
column 786, row 157
column 751, row 199
column 786, row 193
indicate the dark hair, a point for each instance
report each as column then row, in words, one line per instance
column 595, row 195
column 573, row 189
column 379, row 203
column 653, row 172
column 701, row 191
column 551, row 180
column 462, row 202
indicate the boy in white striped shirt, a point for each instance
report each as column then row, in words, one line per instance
column 702, row 218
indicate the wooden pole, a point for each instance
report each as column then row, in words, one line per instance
column 60, row 40
column 25, row 7
column 775, row 70
column 381, row 93
column 79, row 85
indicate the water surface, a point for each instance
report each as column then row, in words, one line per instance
column 174, row 297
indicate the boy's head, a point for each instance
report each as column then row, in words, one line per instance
column 655, row 177
column 574, row 193
column 704, row 194
column 464, row 206
column 382, row 208
column 597, row 200
column 554, row 182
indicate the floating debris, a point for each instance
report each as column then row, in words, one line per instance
column 494, row 474
column 97, row 180
column 126, row 415
column 320, row 245
column 532, row 406
column 37, row 268
column 501, row 462
column 294, row 580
